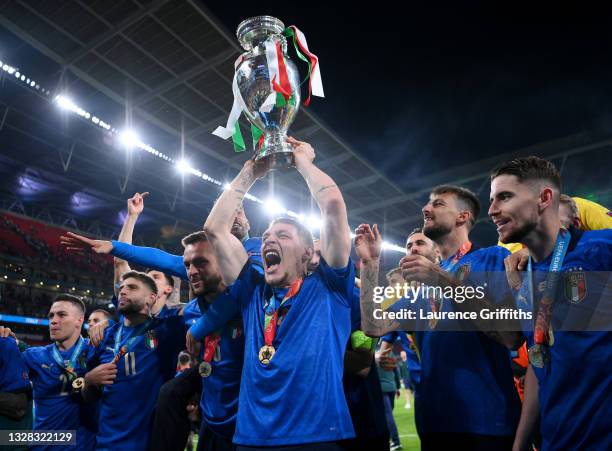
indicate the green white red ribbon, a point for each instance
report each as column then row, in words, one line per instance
column 315, row 85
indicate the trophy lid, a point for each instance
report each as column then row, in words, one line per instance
column 256, row 29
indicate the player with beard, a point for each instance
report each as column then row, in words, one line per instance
column 137, row 355
column 56, row 370
column 575, row 412
column 218, row 375
column 478, row 407
column 292, row 370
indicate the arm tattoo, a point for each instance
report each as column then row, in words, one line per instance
column 323, row 188
column 369, row 324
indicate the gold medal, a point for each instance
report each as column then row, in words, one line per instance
column 78, row 384
column 266, row 353
column 551, row 336
column 205, row 369
column 538, row 355
column 433, row 322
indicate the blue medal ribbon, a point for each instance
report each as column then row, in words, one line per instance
column 136, row 333
column 68, row 366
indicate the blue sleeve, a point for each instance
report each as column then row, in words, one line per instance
column 355, row 310
column 151, row 258
column 13, row 372
column 390, row 337
column 341, row 281
column 225, row 307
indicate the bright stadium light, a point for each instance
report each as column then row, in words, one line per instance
column 226, row 186
column 183, row 166
column 65, row 103
column 314, row 223
column 129, row 139
column 273, row 207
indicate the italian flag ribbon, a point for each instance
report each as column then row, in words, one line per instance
column 232, row 128
column 315, row 84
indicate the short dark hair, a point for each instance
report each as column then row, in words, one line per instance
column 303, row 231
column 397, row 270
column 415, row 230
column 571, row 203
column 530, row 168
column 194, row 237
column 464, row 195
column 168, row 278
column 104, row 312
column 184, row 358
column 65, row 297
column 141, row 276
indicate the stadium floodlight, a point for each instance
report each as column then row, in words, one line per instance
column 65, row 103
column 314, row 223
column 273, row 207
column 73, row 289
column 226, row 186
column 57, row 286
column 183, row 166
column 129, row 139
column 5, row 276
column 101, row 293
column 23, row 280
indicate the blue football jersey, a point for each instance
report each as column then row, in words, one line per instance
column 56, row 406
column 304, row 378
column 13, row 372
column 575, row 387
column 466, row 383
column 219, row 401
column 127, row 406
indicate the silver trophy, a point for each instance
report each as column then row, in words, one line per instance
column 253, row 81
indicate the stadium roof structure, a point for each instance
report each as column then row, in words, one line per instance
column 164, row 67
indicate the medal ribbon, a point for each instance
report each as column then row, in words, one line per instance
column 70, row 365
column 542, row 321
column 463, row 250
column 270, row 319
column 121, row 350
column 210, row 344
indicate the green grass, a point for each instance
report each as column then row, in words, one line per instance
column 404, row 418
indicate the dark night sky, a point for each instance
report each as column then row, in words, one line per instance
column 452, row 84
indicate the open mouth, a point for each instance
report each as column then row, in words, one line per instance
column 500, row 223
column 272, row 259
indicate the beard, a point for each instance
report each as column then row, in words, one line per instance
column 210, row 286
column 131, row 307
column 518, row 235
column 436, row 232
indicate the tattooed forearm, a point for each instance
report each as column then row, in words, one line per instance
column 369, row 324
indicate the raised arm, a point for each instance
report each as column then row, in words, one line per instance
column 135, row 206
column 230, row 252
column 368, row 244
column 335, row 232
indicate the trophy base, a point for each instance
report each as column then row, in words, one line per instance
column 277, row 160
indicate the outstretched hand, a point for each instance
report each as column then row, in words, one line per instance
column 135, row 203
column 368, row 242
column 303, row 153
column 78, row 243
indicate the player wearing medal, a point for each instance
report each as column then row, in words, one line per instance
column 57, row 371
column 223, row 350
column 478, row 407
column 296, row 324
column 575, row 412
column 136, row 356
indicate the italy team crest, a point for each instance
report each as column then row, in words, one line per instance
column 575, row 286
column 150, row 340
column 462, row 272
